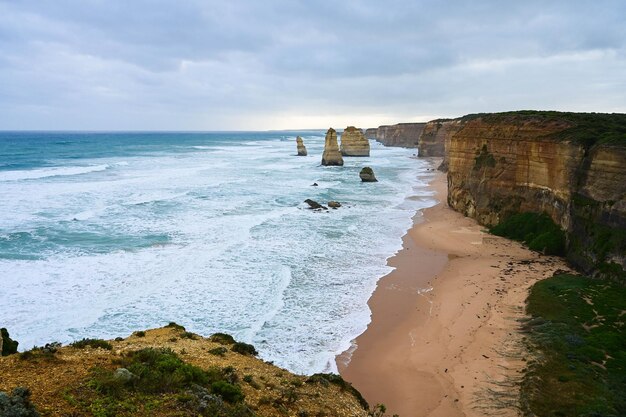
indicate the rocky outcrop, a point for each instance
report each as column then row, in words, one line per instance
column 404, row 135
column 301, row 147
column 8, row 346
column 334, row 204
column 367, row 175
column 508, row 163
column 331, row 155
column 354, row 142
column 314, row 205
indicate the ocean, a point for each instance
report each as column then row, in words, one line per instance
column 102, row 234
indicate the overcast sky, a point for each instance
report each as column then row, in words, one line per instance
column 245, row 65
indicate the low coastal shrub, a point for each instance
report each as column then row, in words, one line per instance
column 222, row 339
column 9, row 346
column 244, row 349
column 218, row 351
column 17, row 404
column 45, row 352
column 576, row 325
column 538, row 231
column 154, row 377
column 93, row 343
column 188, row 335
column 140, row 333
column 176, row 326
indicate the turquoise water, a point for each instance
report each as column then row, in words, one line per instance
column 102, row 234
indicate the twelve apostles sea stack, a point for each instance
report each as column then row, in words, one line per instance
column 354, row 142
column 301, row 147
column 331, row 155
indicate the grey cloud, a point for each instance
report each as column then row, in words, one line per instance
column 214, row 64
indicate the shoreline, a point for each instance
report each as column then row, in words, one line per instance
column 443, row 331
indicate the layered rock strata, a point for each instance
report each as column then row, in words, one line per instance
column 504, row 164
column 436, row 136
column 371, row 133
column 301, row 148
column 354, row 142
column 331, row 155
column 405, row 135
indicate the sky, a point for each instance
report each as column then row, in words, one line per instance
column 271, row 64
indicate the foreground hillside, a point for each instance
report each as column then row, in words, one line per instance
column 170, row 372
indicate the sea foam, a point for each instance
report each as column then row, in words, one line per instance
column 205, row 230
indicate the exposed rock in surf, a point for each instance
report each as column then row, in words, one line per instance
column 331, row 155
column 301, row 148
column 354, row 142
column 315, row 205
column 334, row 204
column 367, row 175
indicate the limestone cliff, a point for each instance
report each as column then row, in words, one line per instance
column 371, row 133
column 436, row 137
column 301, row 148
column 405, row 135
column 558, row 163
column 331, row 155
column 354, row 142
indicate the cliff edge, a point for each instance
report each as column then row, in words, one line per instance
column 568, row 165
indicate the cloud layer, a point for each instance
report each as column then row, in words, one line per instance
column 216, row 65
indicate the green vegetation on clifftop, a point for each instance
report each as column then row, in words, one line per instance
column 577, row 330
column 586, row 128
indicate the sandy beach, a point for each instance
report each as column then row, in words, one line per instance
column 443, row 338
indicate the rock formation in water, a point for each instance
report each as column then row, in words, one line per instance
column 568, row 165
column 331, row 155
column 367, row 175
column 315, row 205
column 354, row 142
column 301, row 147
column 334, row 204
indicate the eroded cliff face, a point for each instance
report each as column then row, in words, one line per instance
column 354, row 142
column 436, row 136
column 498, row 168
column 405, row 135
column 371, row 133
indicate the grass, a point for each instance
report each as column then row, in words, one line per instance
column 538, row 231
column 577, row 328
column 160, row 379
column 588, row 129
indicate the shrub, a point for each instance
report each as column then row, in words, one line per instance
column 538, row 231
column 222, row 338
column 140, row 333
column 218, row 351
column 17, row 404
column 176, row 326
column 9, row 346
column 227, row 391
column 188, row 335
column 93, row 343
column 244, row 349
column 45, row 352
column 326, row 379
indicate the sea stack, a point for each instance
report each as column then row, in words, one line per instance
column 301, row 147
column 367, row 175
column 354, row 142
column 331, row 155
